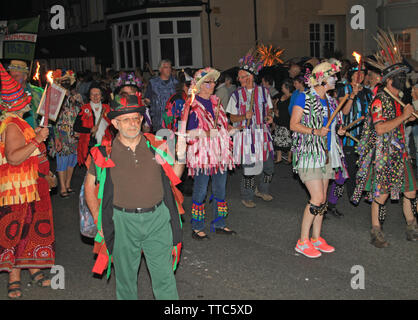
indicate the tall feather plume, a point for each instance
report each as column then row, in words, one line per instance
column 388, row 52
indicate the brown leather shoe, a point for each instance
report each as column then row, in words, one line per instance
column 265, row 197
column 248, row 203
column 412, row 232
column 378, row 238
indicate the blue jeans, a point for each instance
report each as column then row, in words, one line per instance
column 200, row 188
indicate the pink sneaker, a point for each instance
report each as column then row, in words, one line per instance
column 322, row 245
column 307, row 249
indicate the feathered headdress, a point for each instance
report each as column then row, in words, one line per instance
column 128, row 79
column 251, row 62
column 388, row 57
column 63, row 75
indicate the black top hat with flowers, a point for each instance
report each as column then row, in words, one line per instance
column 125, row 105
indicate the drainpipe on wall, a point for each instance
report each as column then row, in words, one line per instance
column 255, row 21
column 208, row 11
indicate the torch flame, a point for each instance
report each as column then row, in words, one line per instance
column 36, row 76
column 357, row 56
column 49, row 77
column 194, row 91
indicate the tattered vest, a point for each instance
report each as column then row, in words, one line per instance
column 210, row 155
column 253, row 143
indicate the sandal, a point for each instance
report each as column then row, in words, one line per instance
column 17, row 289
column 70, row 191
column 64, row 195
column 41, row 280
column 224, row 231
column 195, row 235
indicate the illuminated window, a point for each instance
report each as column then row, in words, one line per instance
column 404, row 42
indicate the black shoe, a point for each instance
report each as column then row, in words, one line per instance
column 335, row 212
column 226, row 232
column 195, row 235
column 64, row 195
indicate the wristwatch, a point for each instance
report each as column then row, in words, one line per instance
column 313, row 132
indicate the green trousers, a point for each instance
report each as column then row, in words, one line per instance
column 151, row 233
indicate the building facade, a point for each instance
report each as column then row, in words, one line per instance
column 125, row 35
column 145, row 32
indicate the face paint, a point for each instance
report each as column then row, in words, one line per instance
column 331, row 82
column 399, row 82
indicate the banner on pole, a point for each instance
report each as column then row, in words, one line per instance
column 18, row 38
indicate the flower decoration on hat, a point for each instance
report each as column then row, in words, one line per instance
column 121, row 105
column 202, row 75
column 61, row 75
column 128, row 79
column 322, row 72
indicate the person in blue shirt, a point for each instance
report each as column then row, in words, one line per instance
column 299, row 84
column 356, row 107
column 159, row 90
column 317, row 152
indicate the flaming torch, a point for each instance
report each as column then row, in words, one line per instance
column 358, row 57
column 181, row 143
column 48, row 98
column 37, row 77
column 186, row 111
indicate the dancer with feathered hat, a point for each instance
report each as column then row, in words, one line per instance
column 384, row 165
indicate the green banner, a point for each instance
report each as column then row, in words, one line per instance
column 18, row 38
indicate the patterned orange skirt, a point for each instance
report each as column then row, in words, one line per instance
column 27, row 237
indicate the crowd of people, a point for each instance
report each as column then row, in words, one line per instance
column 149, row 141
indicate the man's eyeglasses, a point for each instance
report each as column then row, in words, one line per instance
column 127, row 121
column 243, row 77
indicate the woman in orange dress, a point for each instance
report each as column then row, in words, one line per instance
column 26, row 229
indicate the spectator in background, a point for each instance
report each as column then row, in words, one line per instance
column 65, row 139
column 171, row 119
column 159, row 91
column 85, row 84
column 294, row 70
column 268, row 82
column 282, row 139
column 300, row 87
column 225, row 89
column 92, row 124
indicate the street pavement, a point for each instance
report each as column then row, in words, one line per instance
column 260, row 262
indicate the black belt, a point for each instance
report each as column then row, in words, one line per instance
column 138, row 210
